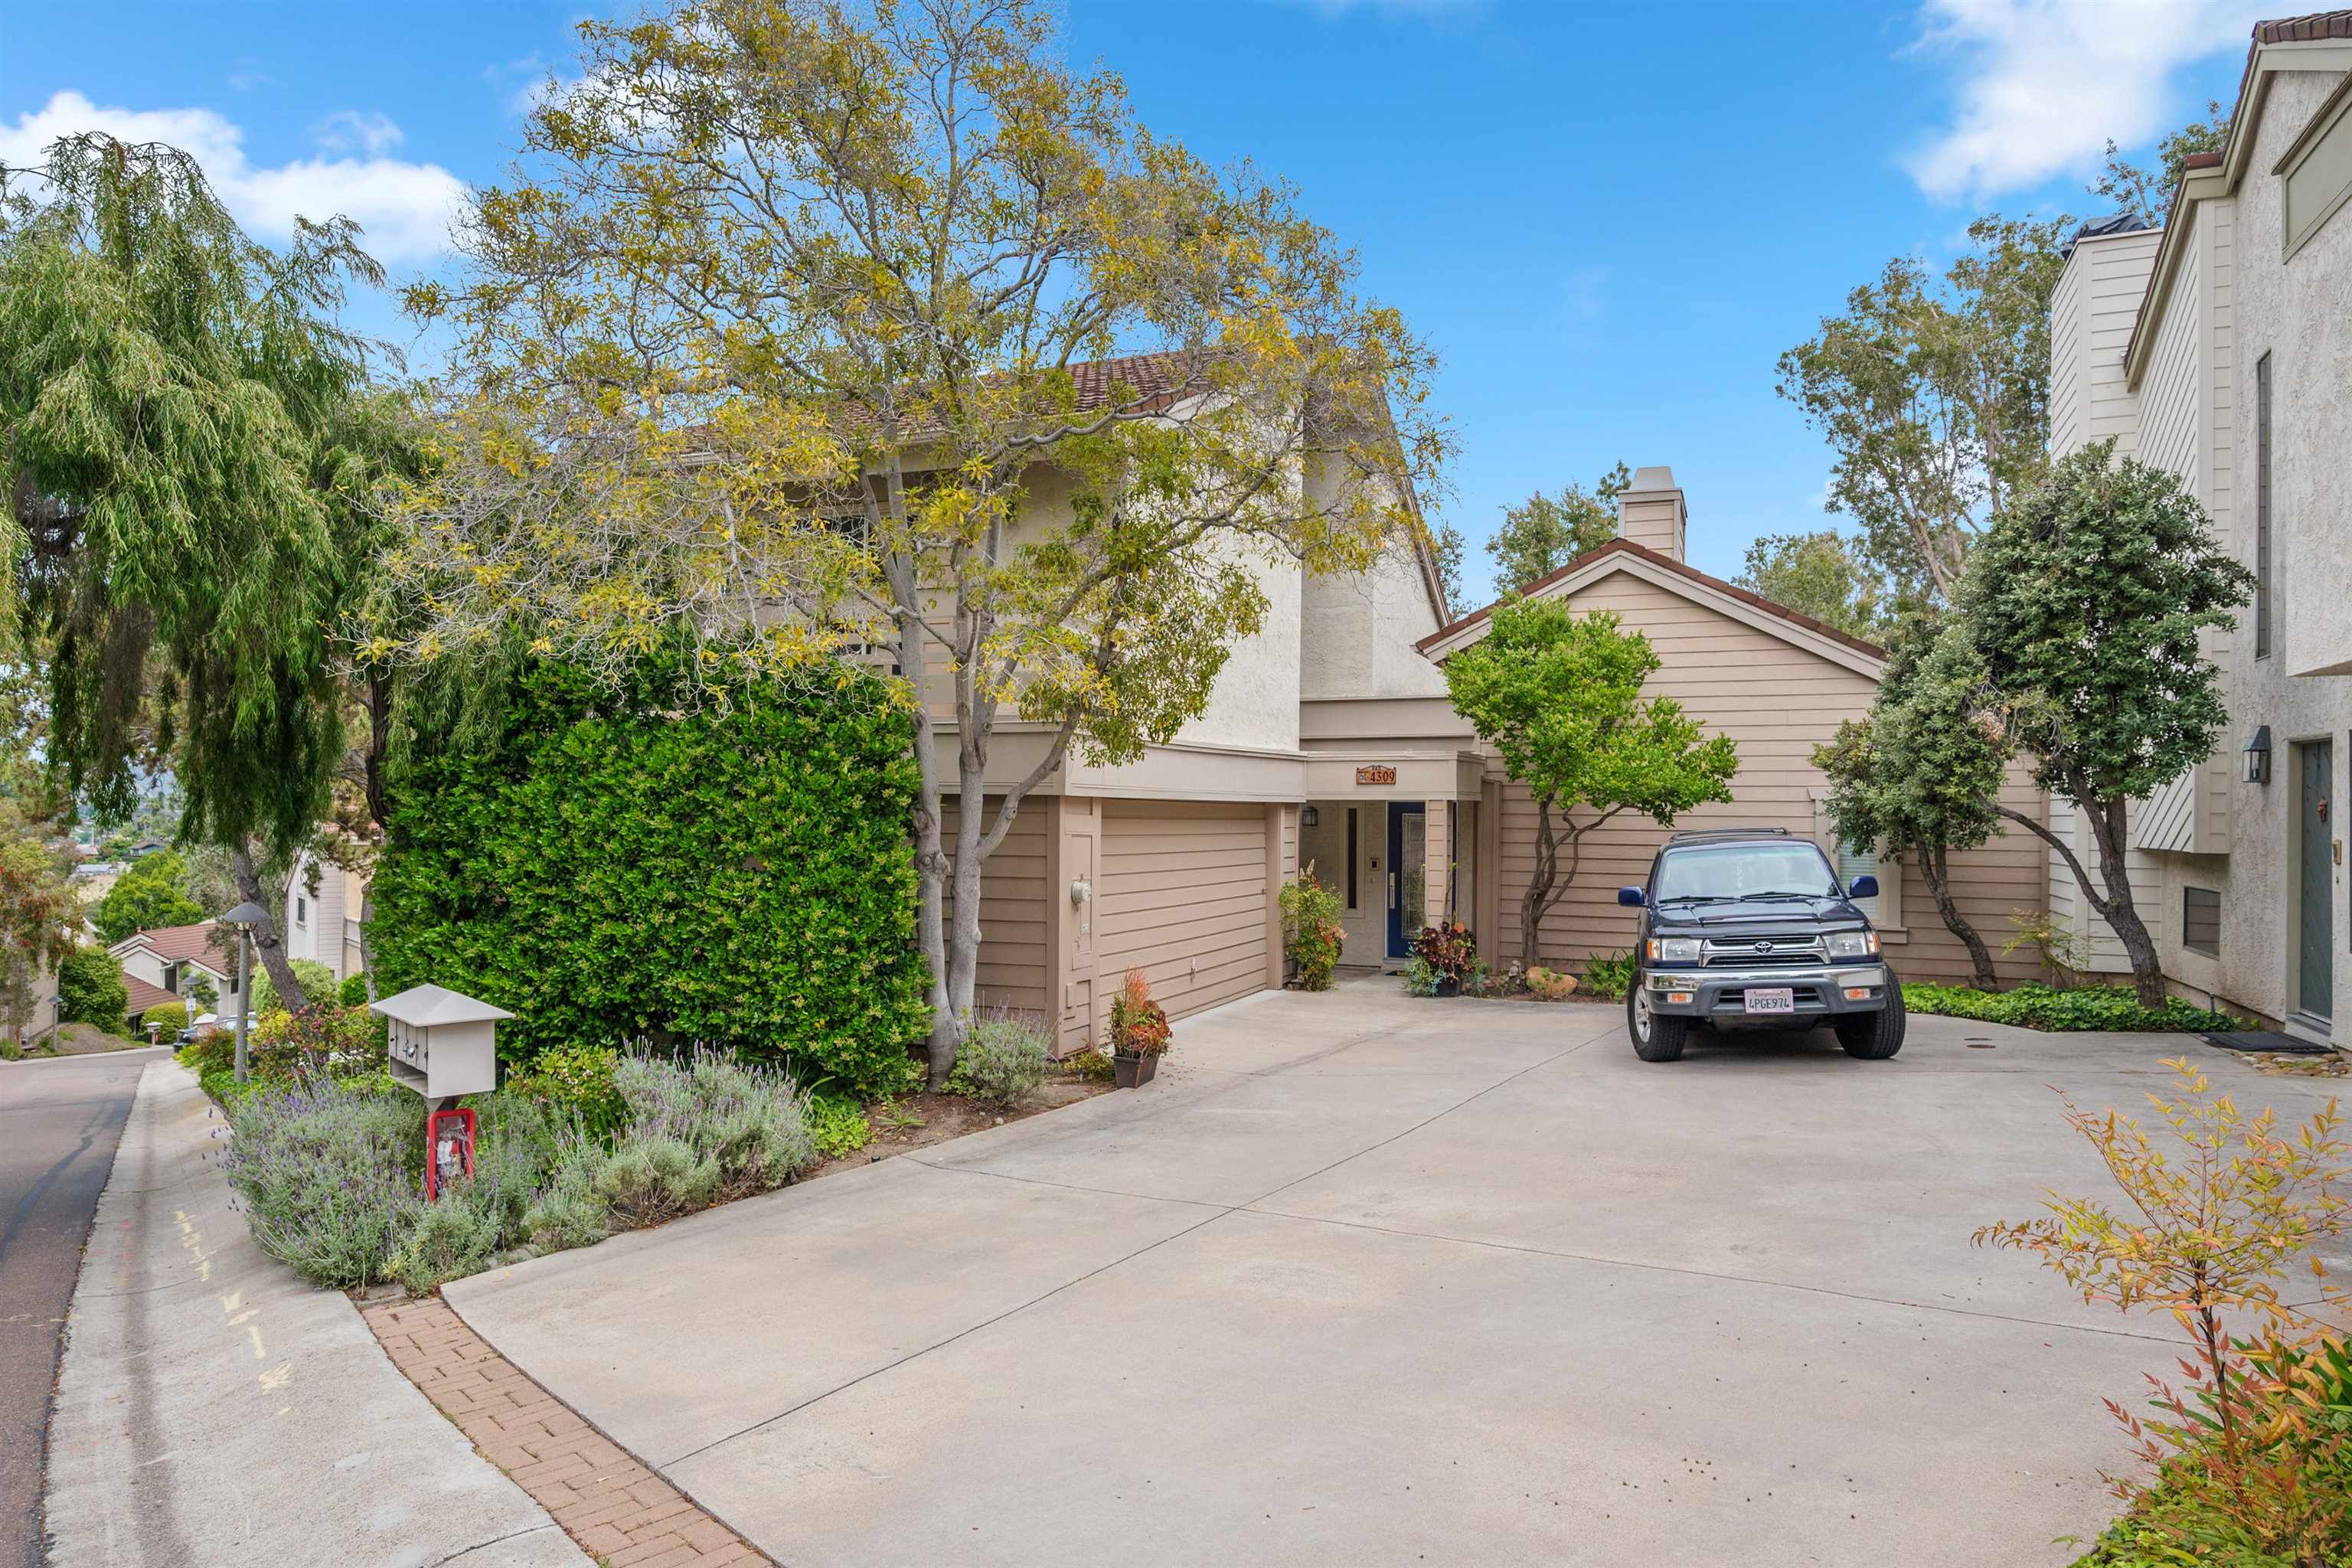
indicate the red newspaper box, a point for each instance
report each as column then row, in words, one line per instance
column 450, row 1145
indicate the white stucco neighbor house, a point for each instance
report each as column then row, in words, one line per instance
column 320, row 921
column 2219, row 347
column 169, row 960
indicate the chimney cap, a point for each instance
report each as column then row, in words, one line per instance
column 1655, row 479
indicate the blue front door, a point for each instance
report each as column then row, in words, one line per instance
column 1407, row 875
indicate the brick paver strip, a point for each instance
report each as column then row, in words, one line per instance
column 619, row 1510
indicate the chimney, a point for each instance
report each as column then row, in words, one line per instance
column 1649, row 511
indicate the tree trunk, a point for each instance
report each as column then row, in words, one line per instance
column 1935, row 866
column 266, row 941
column 2115, row 903
column 1536, row 899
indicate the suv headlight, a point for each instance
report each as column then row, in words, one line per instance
column 1853, row 943
column 1674, row 949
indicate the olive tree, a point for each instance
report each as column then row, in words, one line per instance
column 2082, row 610
column 806, row 330
column 1921, row 775
column 1559, row 696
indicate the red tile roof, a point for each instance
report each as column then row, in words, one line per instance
column 143, row 995
column 204, row 942
column 2304, row 29
column 1627, row 547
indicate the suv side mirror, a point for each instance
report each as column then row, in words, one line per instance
column 1629, row 897
column 1863, row 888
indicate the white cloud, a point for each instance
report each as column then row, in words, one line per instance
column 353, row 129
column 405, row 208
column 2045, row 83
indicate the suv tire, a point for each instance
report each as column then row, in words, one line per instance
column 1874, row 1037
column 1657, row 1036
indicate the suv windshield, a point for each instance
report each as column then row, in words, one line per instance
column 1744, row 870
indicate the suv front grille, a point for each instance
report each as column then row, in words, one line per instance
column 1761, row 951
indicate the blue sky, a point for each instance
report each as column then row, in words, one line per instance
column 1611, row 225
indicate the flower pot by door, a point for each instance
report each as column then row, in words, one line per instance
column 1128, row 1071
column 1447, row 986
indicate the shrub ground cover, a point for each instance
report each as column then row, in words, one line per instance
column 2037, row 1006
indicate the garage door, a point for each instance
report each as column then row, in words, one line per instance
column 1181, row 897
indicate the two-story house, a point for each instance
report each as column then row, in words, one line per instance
column 2219, row 347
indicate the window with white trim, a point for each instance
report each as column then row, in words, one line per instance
column 1860, row 860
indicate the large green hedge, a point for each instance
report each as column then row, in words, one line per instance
column 616, row 867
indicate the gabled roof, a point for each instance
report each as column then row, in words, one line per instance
column 204, row 942
column 143, row 995
column 1742, row 604
column 426, row 1005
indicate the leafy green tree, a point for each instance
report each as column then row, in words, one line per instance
column 2144, row 193
column 91, row 990
column 1921, row 775
column 154, row 892
column 1445, row 547
column 827, row 365
column 2083, row 608
column 318, row 984
column 1825, row 575
column 38, row 915
column 1544, row 533
column 189, row 465
column 1934, row 395
column 1558, row 695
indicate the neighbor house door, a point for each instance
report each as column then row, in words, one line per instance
column 1407, row 875
column 2315, row 891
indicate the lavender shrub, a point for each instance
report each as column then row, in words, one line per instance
column 331, row 1177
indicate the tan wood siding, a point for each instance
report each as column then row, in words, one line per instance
column 1014, row 926
column 1183, row 896
column 1777, row 701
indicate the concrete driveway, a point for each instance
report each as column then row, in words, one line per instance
column 1366, row 1280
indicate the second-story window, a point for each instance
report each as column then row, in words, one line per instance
column 2262, row 507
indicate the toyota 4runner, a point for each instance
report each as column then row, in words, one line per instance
column 1748, row 926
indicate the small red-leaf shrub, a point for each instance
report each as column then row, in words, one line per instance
column 1138, row 1027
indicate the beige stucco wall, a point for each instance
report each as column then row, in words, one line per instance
column 1357, row 629
column 2299, row 310
column 1777, row 701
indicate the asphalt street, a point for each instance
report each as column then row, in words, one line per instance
column 60, row 1122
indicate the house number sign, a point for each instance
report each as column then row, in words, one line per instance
column 1376, row 775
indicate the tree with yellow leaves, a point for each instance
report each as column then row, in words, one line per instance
column 807, row 331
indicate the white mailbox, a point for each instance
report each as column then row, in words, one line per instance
column 442, row 1043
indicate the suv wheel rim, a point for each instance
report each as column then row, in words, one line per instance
column 1642, row 1012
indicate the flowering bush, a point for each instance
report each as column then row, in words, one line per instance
column 1002, row 1061
column 1311, row 933
column 324, row 1040
column 1138, row 1027
column 576, row 1081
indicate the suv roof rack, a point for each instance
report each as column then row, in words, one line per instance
column 1695, row 834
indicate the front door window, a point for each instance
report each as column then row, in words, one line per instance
column 1408, row 876
column 2315, row 891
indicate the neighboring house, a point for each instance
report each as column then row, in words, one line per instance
column 321, row 920
column 1329, row 740
column 172, row 959
column 142, row 996
column 1779, row 683
column 2220, row 348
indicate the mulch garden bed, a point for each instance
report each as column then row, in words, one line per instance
column 920, row 1121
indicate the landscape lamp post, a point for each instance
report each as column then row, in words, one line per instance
column 243, row 917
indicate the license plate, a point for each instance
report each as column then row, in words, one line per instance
column 1771, row 999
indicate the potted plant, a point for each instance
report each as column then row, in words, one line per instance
column 1138, row 1032
column 1449, row 951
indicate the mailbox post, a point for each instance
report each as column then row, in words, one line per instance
column 443, row 1044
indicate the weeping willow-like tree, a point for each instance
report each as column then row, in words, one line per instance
column 187, row 453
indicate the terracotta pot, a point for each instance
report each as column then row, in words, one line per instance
column 1128, row 1071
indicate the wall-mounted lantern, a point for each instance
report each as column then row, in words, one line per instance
column 1310, row 816
column 2258, row 757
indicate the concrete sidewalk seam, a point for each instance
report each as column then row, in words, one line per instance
column 617, row 1508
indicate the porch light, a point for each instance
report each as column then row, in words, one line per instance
column 1310, row 816
column 2258, row 757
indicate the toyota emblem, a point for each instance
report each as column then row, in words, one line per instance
column 1763, row 947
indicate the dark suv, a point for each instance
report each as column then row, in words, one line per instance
column 1750, row 926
